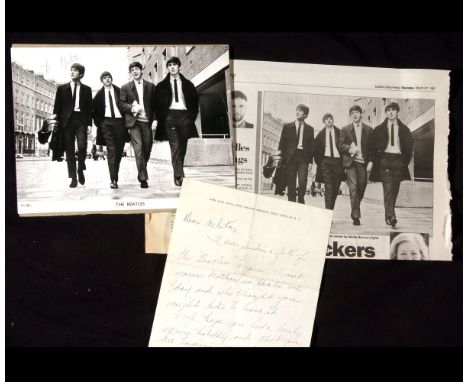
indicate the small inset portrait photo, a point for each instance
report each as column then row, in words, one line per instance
column 239, row 109
column 409, row 246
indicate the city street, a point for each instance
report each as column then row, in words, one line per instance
column 41, row 179
column 372, row 217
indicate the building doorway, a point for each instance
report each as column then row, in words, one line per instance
column 214, row 116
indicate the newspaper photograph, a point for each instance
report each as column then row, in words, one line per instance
column 371, row 144
column 117, row 129
column 322, row 135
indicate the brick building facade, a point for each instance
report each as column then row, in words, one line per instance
column 33, row 102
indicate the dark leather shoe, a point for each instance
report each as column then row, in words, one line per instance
column 393, row 222
column 178, row 181
column 144, row 184
column 387, row 220
column 114, row 184
column 81, row 177
column 73, row 183
column 356, row 221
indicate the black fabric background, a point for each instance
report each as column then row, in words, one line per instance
column 86, row 281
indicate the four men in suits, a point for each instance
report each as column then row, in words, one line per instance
column 355, row 146
column 327, row 156
column 392, row 151
column 73, row 107
column 296, row 146
column 111, row 130
column 176, row 111
column 138, row 102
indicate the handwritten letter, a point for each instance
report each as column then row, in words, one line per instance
column 242, row 270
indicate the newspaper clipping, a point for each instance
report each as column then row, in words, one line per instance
column 116, row 129
column 368, row 143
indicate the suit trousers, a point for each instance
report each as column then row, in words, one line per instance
column 356, row 178
column 114, row 132
column 178, row 126
column 391, row 169
column 75, row 129
column 332, row 169
column 142, row 142
column 297, row 168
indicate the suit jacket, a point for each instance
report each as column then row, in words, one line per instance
column 164, row 100
column 63, row 104
column 288, row 142
column 128, row 94
column 319, row 151
column 248, row 125
column 348, row 135
column 380, row 144
column 99, row 112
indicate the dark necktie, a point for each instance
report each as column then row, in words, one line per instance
column 111, row 103
column 331, row 144
column 392, row 139
column 299, row 134
column 176, row 91
column 74, row 96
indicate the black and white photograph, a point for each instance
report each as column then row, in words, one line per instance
column 118, row 128
column 409, row 246
column 368, row 159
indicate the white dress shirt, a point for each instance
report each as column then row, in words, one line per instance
column 139, row 88
column 181, row 104
column 358, row 131
column 329, row 130
column 395, row 149
column 107, row 101
column 77, row 100
column 301, row 136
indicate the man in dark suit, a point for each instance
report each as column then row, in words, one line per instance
column 239, row 107
column 328, row 159
column 176, row 109
column 73, row 107
column 137, row 101
column 393, row 149
column 355, row 143
column 296, row 146
column 111, row 130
